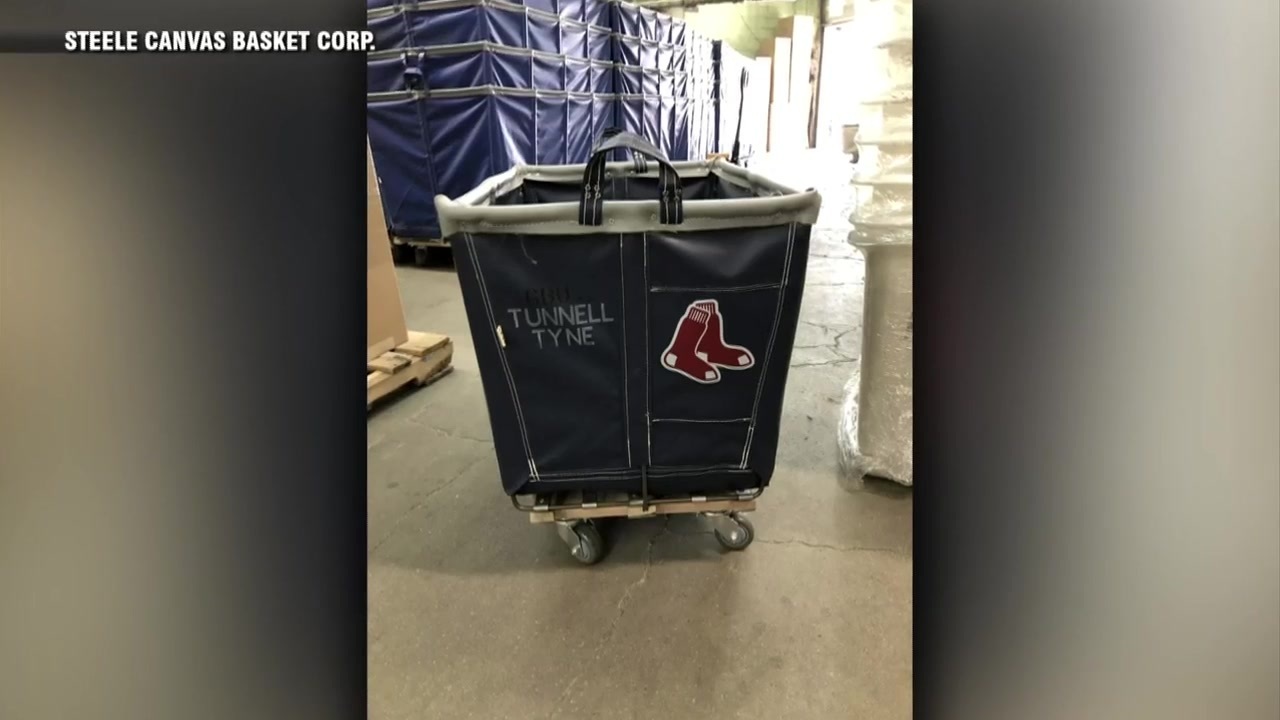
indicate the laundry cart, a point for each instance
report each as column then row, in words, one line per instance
column 633, row 324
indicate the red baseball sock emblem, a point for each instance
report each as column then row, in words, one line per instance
column 698, row 350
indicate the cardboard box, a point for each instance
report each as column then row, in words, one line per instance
column 386, row 313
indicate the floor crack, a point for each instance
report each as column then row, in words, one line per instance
column 448, row 433
column 838, row 548
column 621, row 609
column 837, row 361
column 421, row 502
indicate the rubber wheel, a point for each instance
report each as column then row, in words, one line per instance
column 590, row 548
column 741, row 536
column 401, row 254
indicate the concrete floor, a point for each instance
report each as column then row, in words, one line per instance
column 475, row 613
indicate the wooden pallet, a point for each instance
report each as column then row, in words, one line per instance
column 635, row 508
column 427, row 357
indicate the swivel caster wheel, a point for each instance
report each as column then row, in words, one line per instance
column 735, row 532
column 585, row 544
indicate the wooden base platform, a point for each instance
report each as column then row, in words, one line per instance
column 426, row 358
column 612, row 505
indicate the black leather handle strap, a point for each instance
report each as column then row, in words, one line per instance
column 641, row 165
column 737, row 133
column 670, row 194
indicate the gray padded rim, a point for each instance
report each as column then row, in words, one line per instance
column 473, row 212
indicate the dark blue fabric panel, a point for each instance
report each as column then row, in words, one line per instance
column 508, row 70
column 713, row 129
column 544, row 5
column 648, row 24
column 577, row 75
column 456, row 70
column 596, row 12
column 580, row 138
column 604, row 114
column 385, row 75
column 389, row 32
column 508, row 27
column 631, row 114
column 649, row 54
column 664, row 28
column 650, row 83
column 373, row 4
column 666, row 57
column 679, row 59
column 548, row 72
column 698, row 141
column 695, row 127
column 626, row 50
column 666, row 121
column 709, row 126
column 652, row 120
column 666, row 84
column 544, row 33
column 571, row 9
column 573, row 40
column 628, row 79
column 599, row 46
column 602, row 77
column 460, row 133
column 680, row 129
column 553, row 128
column 626, row 19
column 445, row 26
column 678, row 31
column 400, row 154
column 682, row 84
column 514, row 128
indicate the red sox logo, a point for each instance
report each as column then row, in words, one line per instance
column 698, row 350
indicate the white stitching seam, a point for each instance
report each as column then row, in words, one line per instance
column 653, row 472
column 773, row 336
column 735, row 288
column 493, row 323
column 696, row 420
column 626, row 376
column 648, row 380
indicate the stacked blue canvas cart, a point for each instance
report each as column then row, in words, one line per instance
column 460, row 90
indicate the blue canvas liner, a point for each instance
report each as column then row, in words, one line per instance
column 454, row 67
column 463, row 89
column 415, row 139
column 533, row 25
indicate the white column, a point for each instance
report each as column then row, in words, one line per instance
column 877, row 427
